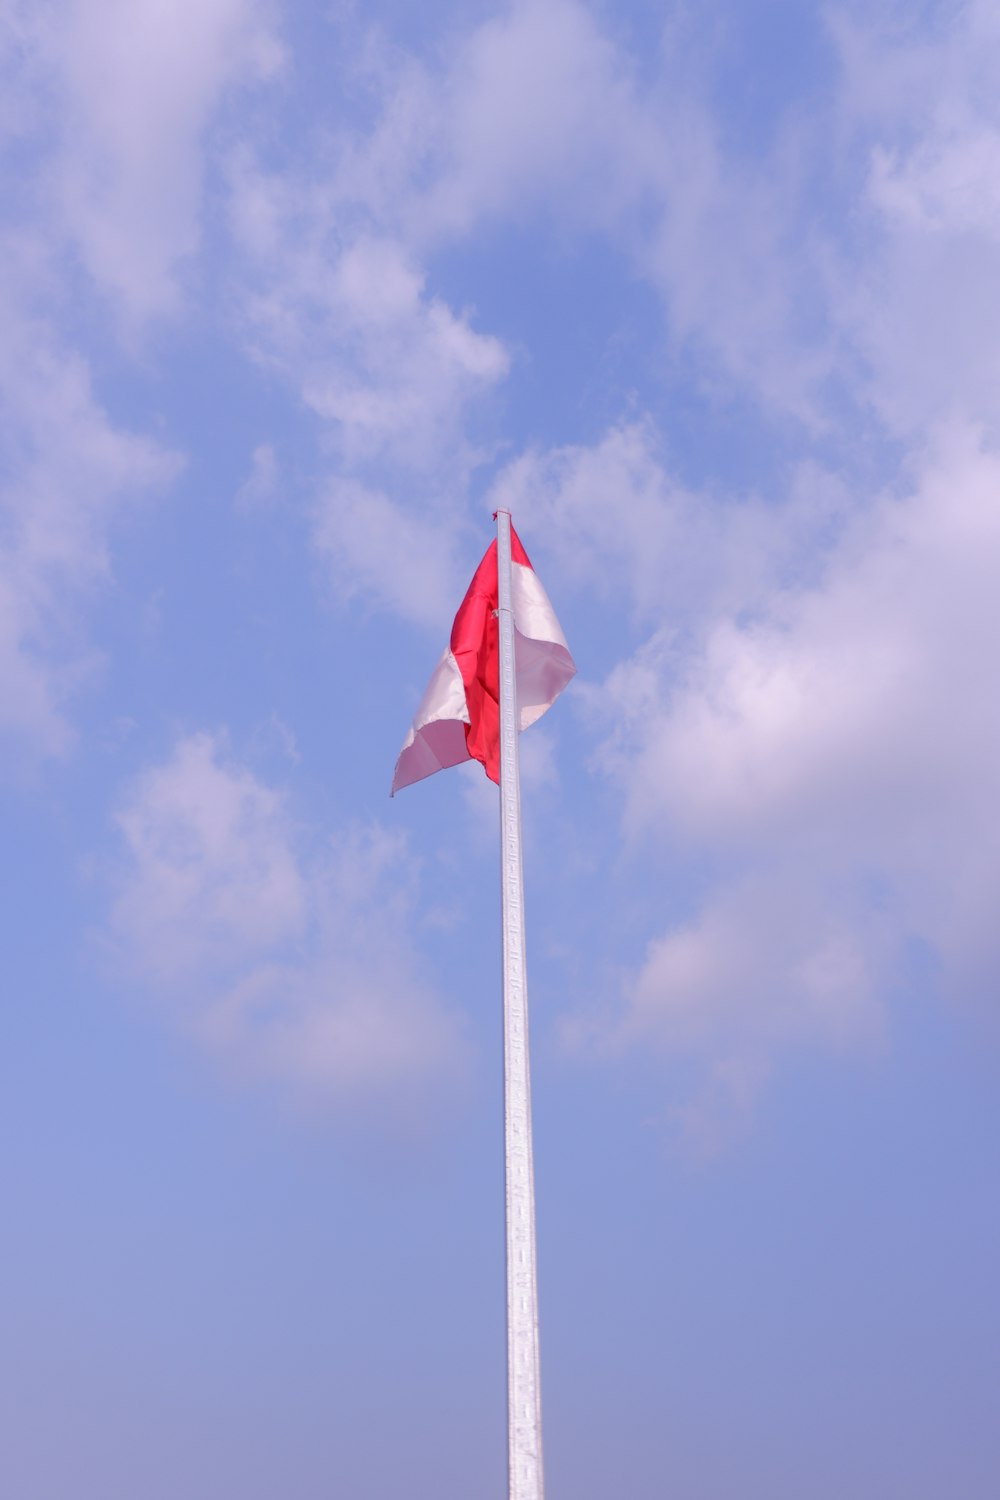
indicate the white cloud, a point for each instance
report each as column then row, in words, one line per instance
column 69, row 473
column 213, row 871
column 947, row 184
column 108, row 106
column 286, row 966
column 405, row 363
column 770, row 962
column 720, row 1108
column 529, row 110
column 345, row 315
column 536, row 113
column 924, row 306
column 374, row 548
column 620, row 526
column 538, row 110
column 852, row 681
column 133, row 85
column 834, row 757
column 391, row 370
column 259, row 489
column 540, row 113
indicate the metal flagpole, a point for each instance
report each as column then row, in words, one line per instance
column 524, row 1413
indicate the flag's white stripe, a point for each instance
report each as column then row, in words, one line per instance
column 437, row 735
column 543, row 670
column 533, row 613
column 445, row 695
column 544, row 665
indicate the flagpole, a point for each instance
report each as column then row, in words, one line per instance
column 524, row 1414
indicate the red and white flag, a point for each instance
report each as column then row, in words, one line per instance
column 459, row 716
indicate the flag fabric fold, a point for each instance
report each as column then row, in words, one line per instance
column 459, row 714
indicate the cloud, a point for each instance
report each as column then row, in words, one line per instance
column 853, row 680
column 69, row 472
column 259, row 489
column 545, row 114
column 344, row 314
column 376, row 549
column 134, row 85
column 770, row 962
column 621, row 526
column 290, row 966
column 214, row 872
column 542, row 114
column 831, row 757
column 530, row 110
column 108, row 108
column 391, row 371
column 922, row 305
column 538, row 112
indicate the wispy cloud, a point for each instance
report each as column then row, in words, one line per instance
column 346, row 316
column 921, row 301
column 70, row 471
column 833, row 756
column 133, row 86
column 109, row 108
column 622, row 526
column 287, row 965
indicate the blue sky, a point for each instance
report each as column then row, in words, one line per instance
column 293, row 297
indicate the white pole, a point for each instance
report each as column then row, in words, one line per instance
column 524, row 1413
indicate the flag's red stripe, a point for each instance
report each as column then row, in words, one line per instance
column 475, row 644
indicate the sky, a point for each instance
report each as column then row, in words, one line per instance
column 292, row 298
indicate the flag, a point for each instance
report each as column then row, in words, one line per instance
column 459, row 715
